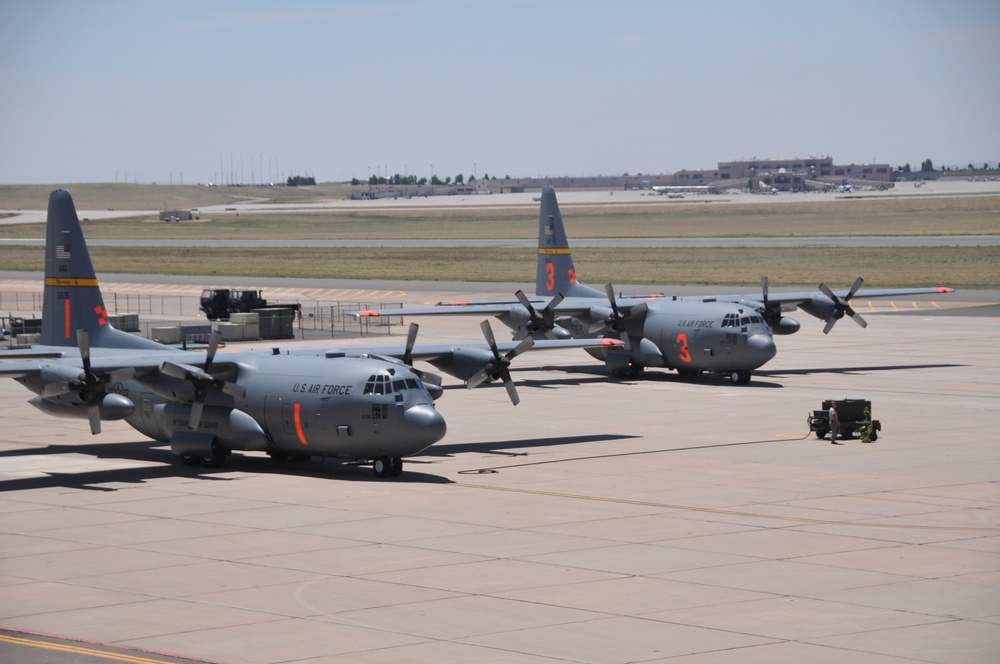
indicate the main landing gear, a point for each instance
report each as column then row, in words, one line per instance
column 216, row 460
column 385, row 466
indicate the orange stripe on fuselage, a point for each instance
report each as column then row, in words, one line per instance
column 298, row 424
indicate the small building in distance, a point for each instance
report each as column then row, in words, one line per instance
column 176, row 215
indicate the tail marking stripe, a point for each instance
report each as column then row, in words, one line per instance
column 64, row 282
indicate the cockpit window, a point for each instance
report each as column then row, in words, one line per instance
column 385, row 384
column 378, row 384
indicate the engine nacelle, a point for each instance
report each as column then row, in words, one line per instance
column 232, row 429
column 464, row 363
column 785, row 325
column 819, row 306
column 111, row 407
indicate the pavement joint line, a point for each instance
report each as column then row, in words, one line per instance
column 713, row 510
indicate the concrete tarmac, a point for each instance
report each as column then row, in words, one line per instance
column 598, row 521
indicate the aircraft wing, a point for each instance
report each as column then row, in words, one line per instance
column 116, row 364
column 794, row 299
column 442, row 309
column 433, row 352
column 570, row 306
column 19, row 368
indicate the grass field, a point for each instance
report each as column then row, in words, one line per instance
column 959, row 267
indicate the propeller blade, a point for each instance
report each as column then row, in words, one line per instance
column 854, row 288
column 511, row 391
column 411, row 339
column 856, row 317
column 94, row 415
column 490, row 339
column 525, row 302
column 520, row 348
column 196, row 409
column 609, row 289
column 478, row 378
column 83, row 343
column 212, row 349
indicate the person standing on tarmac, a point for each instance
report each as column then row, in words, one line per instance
column 834, row 425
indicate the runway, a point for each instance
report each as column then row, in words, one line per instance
column 597, row 521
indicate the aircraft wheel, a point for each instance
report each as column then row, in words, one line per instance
column 216, row 460
column 382, row 466
column 191, row 460
column 397, row 467
column 300, row 457
column 739, row 377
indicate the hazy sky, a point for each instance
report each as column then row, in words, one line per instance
column 165, row 91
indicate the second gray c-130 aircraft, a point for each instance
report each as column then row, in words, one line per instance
column 727, row 334
column 358, row 404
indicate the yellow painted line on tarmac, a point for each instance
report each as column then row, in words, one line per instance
column 79, row 650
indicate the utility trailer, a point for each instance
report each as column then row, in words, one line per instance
column 855, row 417
column 219, row 303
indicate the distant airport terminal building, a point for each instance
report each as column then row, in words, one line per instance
column 755, row 175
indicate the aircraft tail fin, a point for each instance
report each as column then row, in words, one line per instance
column 72, row 299
column 556, row 273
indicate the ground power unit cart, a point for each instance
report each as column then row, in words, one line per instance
column 855, row 417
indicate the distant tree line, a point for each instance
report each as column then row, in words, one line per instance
column 398, row 179
column 300, row 180
column 928, row 165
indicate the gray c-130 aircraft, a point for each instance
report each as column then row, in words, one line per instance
column 359, row 404
column 726, row 334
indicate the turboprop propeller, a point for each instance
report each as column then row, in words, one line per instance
column 842, row 306
column 203, row 381
column 538, row 322
column 91, row 387
column 499, row 367
column 616, row 321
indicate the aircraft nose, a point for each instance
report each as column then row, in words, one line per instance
column 425, row 423
column 762, row 347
